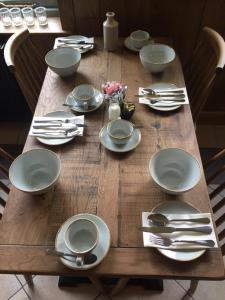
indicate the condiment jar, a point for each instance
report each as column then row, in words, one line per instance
column 110, row 32
column 114, row 109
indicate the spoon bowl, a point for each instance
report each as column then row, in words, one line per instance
column 162, row 220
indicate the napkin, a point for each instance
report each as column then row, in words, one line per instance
column 163, row 103
column 180, row 235
column 68, row 125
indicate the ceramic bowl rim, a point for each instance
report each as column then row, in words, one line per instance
column 165, row 187
column 157, row 63
column 66, row 66
column 39, row 189
column 140, row 39
column 120, row 138
column 80, row 98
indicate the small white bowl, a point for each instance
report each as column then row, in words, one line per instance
column 63, row 61
column 174, row 170
column 139, row 38
column 156, row 57
column 35, row 171
column 120, row 131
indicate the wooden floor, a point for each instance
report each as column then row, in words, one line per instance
column 14, row 287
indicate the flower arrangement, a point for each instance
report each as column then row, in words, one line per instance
column 114, row 90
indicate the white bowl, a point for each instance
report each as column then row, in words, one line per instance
column 35, row 171
column 156, row 57
column 139, row 38
column 174, row 170
column 120, row 131
column 63, row 61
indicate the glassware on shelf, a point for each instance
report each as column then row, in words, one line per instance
column 41, row 15
column 15, row 13
column 5, row 17
column 28, row 15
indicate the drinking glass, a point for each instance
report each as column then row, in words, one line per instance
column 15, row 13
column 5, row 17
column 28, row 15
column 41, row 15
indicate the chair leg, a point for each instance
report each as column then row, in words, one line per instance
column 28, row 279
column 192, row 289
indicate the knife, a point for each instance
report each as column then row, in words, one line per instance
column 164, row 97
column 56, row 126
column 174, row 91
column 71, row 41
column 165, row 229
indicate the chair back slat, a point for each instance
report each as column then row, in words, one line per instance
column 207, row 60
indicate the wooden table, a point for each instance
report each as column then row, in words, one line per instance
column 116, row 187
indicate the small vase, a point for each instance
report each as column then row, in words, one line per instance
column 110, row 32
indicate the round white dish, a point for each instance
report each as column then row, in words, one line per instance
column 100, row 250
column 98, row 100
column 83, row 38
column 130, row 145
column 129, row 45
column 176, row 207
column 55, row 142
column 163, row 86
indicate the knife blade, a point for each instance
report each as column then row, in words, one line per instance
column 165, row 229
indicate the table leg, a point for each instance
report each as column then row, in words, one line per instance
column 191, row 290
column 120, row 285
column 97, row 283
column 28, row 279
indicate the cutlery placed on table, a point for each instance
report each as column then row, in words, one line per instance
column 65, row 120
column 75, row 106
column 162, row 220
column 166, row 242
column 168, row 97
column 88, row 259
column 165, row 229
column 75, row 42
column 55, row 126
column 159, row 92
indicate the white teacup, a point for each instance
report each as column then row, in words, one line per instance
column 120, row 131
column 139, row 38
column 81, row 237
column 84, row 95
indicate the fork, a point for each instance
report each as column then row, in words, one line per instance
column 166, row 242
column 59, row 121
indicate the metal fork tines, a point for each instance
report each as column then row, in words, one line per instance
column 166, row 242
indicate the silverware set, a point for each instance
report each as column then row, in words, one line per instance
column 166, row 242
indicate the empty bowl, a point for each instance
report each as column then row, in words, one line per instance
column 63, row 61
column 120, row 131
column 35, row 171
column 174, row 170
column 156, row 57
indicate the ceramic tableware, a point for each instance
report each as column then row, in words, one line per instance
column 139, row 38
column 76, row 38
column 35, row 171
column 101, row 249
column 120, row 131
column 174, row 170
column 63, row 61
column 110, row 145
column 129, row 45
column 97, row 102
column 81, row 237
column 156, row 57
column 84, row 95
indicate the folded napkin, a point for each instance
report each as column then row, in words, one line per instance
column 181, row 235
column 163, row 103
column 53, row 125
column 80, row 47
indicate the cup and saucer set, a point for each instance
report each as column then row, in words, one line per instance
column 84, row 239
column 84, row 98
column 120, row 135
column 137, row 40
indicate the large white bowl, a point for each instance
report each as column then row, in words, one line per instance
column 35, row 171
column 63, row 61
column 174, row 170
column 156, row 57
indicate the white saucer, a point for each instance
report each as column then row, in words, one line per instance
column 130, row 145
column 128, row 44
column 100, row 250
column 177, row 207
column 97, row 102
column 78, row 37
column 164, row 86
column 60, row 114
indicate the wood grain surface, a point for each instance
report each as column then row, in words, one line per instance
column 116, row 187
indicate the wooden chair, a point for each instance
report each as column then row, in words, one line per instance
column 215, row 179
column 5, row 161
column 208, row 59
column 27, row 65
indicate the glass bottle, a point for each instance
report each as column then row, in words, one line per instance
column 110, row 32
column 114, row 109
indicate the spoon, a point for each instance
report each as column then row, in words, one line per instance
column 162, row 220
column 88, row 259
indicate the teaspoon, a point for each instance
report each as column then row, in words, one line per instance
column 162, row 220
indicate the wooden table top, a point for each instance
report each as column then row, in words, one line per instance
column 115, row 186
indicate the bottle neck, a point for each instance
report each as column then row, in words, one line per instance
column 110, row 16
